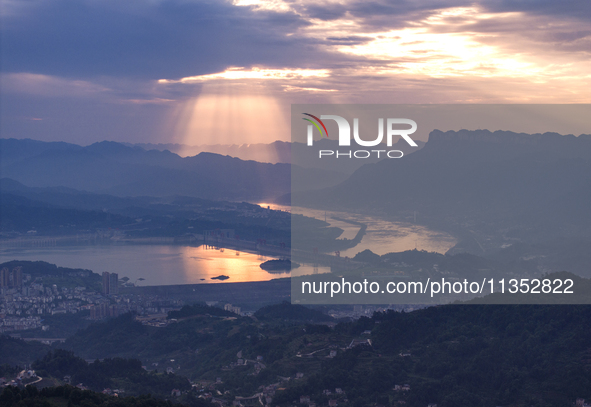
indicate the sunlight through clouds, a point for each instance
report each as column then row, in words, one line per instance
column 173, row 56
column 224, row 114
column 424, row 51
column 468, row 43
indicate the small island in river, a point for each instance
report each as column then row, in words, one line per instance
column 220, row 277
column 279, row 265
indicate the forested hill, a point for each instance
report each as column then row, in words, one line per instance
column 466, row 355
column 71, row 396
column 454, row 355
column 288, row 312
column 502, row 353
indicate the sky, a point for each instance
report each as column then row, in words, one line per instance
column 227, row 72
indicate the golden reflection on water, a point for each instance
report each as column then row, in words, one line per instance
column 381, row 236
column 202, row 263
column 157, row 264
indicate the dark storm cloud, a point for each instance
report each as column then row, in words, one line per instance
column 326, row 12
column 350, row 40
column 577, row 9
column 147, row 39
column 383, row 15
column 380, row 15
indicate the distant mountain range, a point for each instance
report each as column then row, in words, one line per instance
column 531, row 188
column 116, row 169
column 519, row 185
column 278, row 152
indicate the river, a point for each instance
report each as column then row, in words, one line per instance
column 175, row 264
column 158, row 264
column 381, row 236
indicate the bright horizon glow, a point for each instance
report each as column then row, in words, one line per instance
column 237, row 73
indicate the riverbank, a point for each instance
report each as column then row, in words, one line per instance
column 251, row 295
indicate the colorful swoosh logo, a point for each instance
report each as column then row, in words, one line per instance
column 315, row 124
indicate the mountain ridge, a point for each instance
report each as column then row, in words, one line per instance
column 113, row 168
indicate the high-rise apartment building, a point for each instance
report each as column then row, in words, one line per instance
column 106, row 282
column 12, row 278
column 17, row 277
column 110, row 283
column 114, row 283
column 4, row 277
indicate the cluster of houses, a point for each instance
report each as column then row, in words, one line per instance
column 207, row 390
column 18, row 306
column 359, row 342
column 35, row 299
column 240, row 361
column 113, row 392
column 232, row 308
column 24, row 377
column 9, row 324
column 368, row 310
column 155, row 320
column 22, row 307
